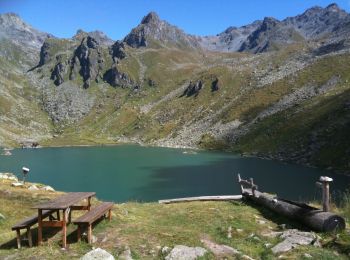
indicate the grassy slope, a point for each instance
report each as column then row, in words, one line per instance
column 327, row 116
column 21, row 116
column 145, row 227
column 117, row 112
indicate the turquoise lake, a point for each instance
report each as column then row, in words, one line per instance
column 135, row 173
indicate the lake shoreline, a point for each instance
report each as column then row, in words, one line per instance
column 127, row 141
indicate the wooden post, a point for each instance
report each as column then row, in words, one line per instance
column 40, row 227
column 325, row 192
column 239, row 182
column 58, row 215
column 109, row 215
column 18, row 232
column 29, row 235
column 64, row 228
column 252, row 186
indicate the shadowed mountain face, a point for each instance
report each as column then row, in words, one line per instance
column 164, row 87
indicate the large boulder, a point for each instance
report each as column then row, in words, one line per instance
column 181, row 252
column 97, row 254
column 293, row 238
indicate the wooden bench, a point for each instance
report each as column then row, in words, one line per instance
column 90, row 217
column 28, row 223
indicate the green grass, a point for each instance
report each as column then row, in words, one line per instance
column 146, row 227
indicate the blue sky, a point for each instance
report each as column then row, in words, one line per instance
column 116, row 18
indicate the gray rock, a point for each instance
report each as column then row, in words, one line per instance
column 117, row 50
column 47, row 188
column 223, row 251
column 117, row 78
column 33, row 187
column 97, row 254
column 8, row 176
column 293, row 238
column 193, row 88
column 181, row 252
column 87, row 61
column 215, row 86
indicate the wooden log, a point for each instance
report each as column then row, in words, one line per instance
column 313, row 218
column 202, row 198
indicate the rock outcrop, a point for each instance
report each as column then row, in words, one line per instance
column 116, row 78
column 193, row 89
column 117, row 50
column 59, row 71
column 87, row 61
column 215, row 86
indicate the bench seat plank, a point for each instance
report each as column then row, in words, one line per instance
column 94, row 214
column 30, row 221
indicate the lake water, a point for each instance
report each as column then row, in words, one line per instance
column 130, row 172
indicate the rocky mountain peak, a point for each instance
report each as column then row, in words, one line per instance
column 316, row 22
column 11, row 19
column 153, row 30
column 22, row 36
column 152, row 17
column 269, row 23
column 334, row 8
column 99, row 36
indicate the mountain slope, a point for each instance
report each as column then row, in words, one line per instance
column 274, row 88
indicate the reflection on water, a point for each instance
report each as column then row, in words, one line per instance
column 122, row 173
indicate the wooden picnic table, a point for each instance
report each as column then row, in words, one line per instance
column 66, row 203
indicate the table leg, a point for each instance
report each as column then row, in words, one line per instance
column 18, row 232
column 70, row 217
column 64, row 229
column 109, row 215
column 40, row 228
column 89, row 233
column 29, row 235
column 79, row 232
column 58, row 215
